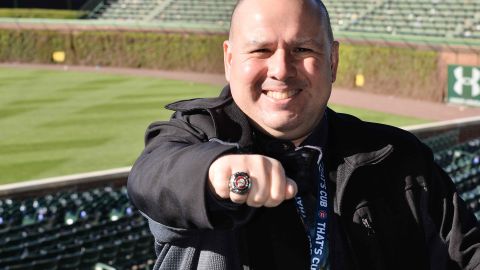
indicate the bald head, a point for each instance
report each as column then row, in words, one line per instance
column 316, row 4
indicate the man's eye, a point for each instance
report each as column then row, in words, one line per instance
column 261, row 50
column 301, row 50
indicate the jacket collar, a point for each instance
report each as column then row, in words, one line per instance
column 230, row 123
column 356, row 142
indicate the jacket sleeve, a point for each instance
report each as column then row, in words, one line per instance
column 167, row 183
column 450, row 224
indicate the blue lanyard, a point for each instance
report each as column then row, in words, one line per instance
column 317, row 232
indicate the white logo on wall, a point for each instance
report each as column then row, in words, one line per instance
column 462, row 81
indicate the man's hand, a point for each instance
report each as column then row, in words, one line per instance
column 270, row 185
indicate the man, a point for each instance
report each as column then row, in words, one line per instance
column 266, row 177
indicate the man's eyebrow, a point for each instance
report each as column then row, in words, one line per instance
column 256, row 42
column 308, row 41
column 260, row 42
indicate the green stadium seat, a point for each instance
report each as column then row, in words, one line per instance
column 108, row 253
column 69, row 261
column 20, row 266
column 90, row 257
column 94, row 237
column 50, row 263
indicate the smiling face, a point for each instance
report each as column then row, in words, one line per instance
column 280, row 64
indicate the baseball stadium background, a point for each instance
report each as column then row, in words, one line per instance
column 80, row 80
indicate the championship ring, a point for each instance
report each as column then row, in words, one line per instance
column 240, row 183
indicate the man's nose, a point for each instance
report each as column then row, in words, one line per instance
column 281, row 65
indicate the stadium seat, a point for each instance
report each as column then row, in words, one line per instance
column 52, row 242
column 21, row 266
column 456, row 18
column 69, row 261
column 126, row 250
column 90, row 257
column 462, row 163
column 108, row 253
column 50, row 263
column 125, row 9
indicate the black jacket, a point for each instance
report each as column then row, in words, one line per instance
column 394, row 208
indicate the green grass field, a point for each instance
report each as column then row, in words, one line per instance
column 40, row 13
column 55, row 123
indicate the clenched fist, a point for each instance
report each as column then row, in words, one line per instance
column 270, row 185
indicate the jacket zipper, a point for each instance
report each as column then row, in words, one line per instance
column 370, row 230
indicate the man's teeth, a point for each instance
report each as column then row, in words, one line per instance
column 282, row 95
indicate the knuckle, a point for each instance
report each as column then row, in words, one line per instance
column 236, row 198
column 254, row 204
column 274, row 203
column 259, row 199
column 219, row 186
column 221, row 192
column 258, row 162
column 224, row 194
column 267, row 161
column 278, row 168
column 277, row 197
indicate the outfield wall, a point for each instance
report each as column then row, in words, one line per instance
column 390, row 65
column 75, row 182
column 466, row 129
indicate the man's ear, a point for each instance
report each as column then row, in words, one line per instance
column 227, row 58
column 334, row 59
